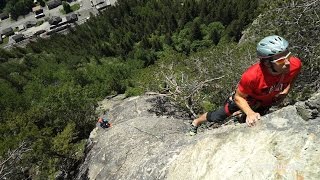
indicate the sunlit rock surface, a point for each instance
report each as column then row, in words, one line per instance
column 141, row 145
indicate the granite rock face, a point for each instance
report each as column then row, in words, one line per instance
column 141, row 145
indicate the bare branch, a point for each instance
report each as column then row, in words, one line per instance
column 190, row 109
column 200, row 86
column 308, row 4
column 14, row 156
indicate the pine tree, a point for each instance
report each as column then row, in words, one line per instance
column 172, row 23
column 66, row 7
column 215, row 37
column 168, row 39
column 196, row 31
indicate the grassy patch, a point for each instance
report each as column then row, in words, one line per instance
column 62, row 11
column 16, row 29
column 5, row 42
column 75, row 7
column 40, row 22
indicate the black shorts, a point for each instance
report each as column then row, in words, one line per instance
column 228, row 109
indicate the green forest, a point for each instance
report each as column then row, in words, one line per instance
column 49, row 90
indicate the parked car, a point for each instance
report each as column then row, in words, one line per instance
column 53, row 4
column 72, row 17
column 18, row 37
column 39, row 13
column 7, row 32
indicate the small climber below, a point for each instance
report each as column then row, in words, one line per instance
column 104, row 123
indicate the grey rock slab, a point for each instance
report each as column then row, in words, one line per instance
column 140, row 145
column 139, row 148
column 281, row 146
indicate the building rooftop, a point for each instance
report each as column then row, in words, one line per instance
column 4, row 16
column 96, row 2
column 37, row 8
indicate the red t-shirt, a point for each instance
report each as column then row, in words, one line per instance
column 262, row 86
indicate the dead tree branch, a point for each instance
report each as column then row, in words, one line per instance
column 8, row 164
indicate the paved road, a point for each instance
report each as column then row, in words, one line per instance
column 83, row 14
column 85, row 6
column 85, row 9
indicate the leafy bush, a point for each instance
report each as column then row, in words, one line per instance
column 207, row 76
column 134, row 91
column 207, row 106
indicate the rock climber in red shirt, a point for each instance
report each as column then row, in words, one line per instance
column 262, row 85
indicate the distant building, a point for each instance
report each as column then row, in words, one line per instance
column 38, row 11
column 54, row 20
column 36, row 8
column 18, row 37
column 4, row 16
column 30, row 24
column 96, row 2
column 102, row 6
column 53, row 4
column 8, row 32
column 72, row 17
